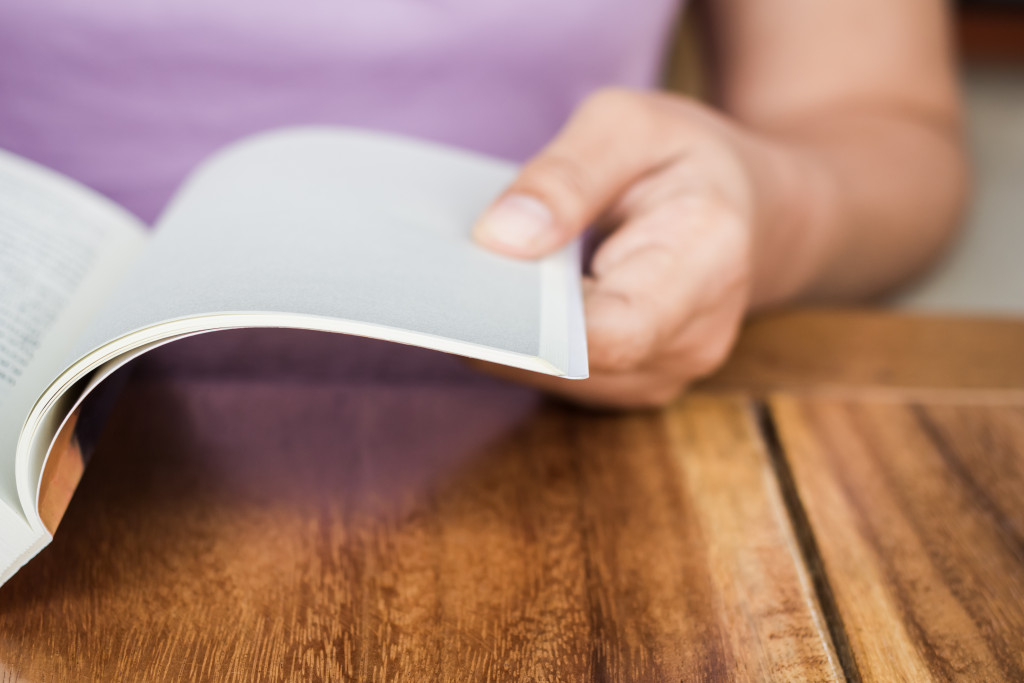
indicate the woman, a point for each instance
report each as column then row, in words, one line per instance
column 832, row 168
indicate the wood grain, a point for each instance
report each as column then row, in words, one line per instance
column 854, row 352
column 916, row 512
column 416, row 533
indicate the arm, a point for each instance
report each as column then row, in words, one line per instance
column 833, row 170
column 866, row 90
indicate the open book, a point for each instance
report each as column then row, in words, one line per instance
column 314, row 228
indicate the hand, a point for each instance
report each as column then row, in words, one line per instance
column 672, row 184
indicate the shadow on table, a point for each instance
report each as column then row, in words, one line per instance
column 241, row 437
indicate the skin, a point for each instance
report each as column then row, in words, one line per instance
column 831, row 169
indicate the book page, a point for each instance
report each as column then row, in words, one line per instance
column 63, row 249
column 310, row 226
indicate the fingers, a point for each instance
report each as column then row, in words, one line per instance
column 628, row 311
column 646, row 283
column 648, row 333
column 577, row 176
column 667, row 290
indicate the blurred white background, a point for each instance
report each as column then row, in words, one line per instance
column 984, row 272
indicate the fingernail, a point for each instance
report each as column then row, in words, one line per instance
column 518, row 222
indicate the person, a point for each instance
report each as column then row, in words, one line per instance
column 833, row 171
column 830, row 168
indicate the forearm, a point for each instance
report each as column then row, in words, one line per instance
column 852, row 204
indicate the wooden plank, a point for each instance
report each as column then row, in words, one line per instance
column 917, row 520
column 416, row 533
column 857, row 351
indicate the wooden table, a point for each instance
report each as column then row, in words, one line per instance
column 842, row 501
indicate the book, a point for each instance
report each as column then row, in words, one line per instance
column 330, row 229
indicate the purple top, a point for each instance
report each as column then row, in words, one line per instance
column 128, row 96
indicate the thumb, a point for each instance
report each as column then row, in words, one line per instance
column 602, row 150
